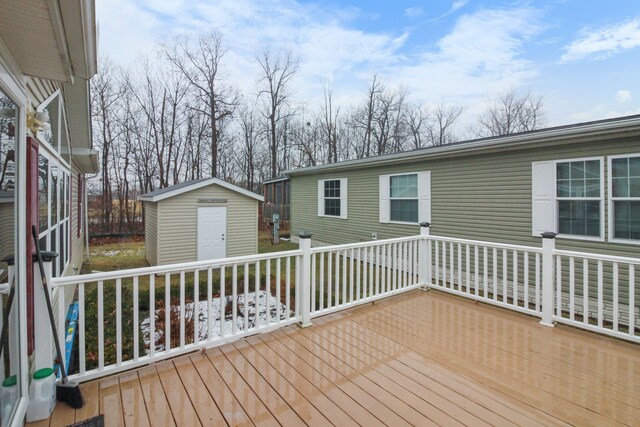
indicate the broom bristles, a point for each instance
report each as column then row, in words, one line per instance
column 70, row 394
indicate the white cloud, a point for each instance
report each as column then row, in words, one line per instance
column 623, row 96
column 599, row 112
column 605, row 41
column 414, row 12
column 482, row 53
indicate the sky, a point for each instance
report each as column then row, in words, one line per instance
column 581, row 56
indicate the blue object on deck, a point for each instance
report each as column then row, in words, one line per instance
column 70, row 335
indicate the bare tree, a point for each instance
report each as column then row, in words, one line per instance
column 511, row 113
column 441, row 126
column 200, row 63
column 277, row 72
column 329, row 125
column 417, row 118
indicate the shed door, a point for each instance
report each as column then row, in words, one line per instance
column 212, row 232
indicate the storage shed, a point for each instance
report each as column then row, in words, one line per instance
column 198, row 220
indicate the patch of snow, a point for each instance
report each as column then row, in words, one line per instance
column 203, row 325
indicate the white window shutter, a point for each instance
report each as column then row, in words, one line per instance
column 424, row 196
column 543, row 198
column 321, row 198
column 343, row 198
column 384, row 198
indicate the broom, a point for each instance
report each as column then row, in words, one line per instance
column 66, row 391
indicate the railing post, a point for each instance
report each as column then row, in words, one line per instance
column 424, row 256
column 43, row 339
column 548, row 247
column 305, row 279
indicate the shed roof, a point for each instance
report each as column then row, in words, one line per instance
column 276, row 179
column 186, row 186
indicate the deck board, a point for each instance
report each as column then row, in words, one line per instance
column 422, row 358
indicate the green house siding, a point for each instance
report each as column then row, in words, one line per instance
column 481, row 196
column 484, row 196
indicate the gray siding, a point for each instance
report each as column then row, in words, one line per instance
column 151, row 232
column 177, row 223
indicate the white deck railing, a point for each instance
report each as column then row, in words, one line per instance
column 213, row 302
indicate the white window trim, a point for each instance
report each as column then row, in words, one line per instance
column 601, row 238
column 344, row 198
column 610, row 200
column 62, row 123
column 419, row 198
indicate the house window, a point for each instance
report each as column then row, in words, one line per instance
column 625, row 198
column 332, row 197
column 579, row 197
column 403, row 198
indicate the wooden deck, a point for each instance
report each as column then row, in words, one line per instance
column 423, row 358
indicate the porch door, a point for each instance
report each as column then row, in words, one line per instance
column 212, row 232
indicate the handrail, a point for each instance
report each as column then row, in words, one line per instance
column 170, row 268
column 601, row 257
column 487, row 243
column 321, row 249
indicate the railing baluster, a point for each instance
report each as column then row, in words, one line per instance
column 632, row 301
column 245, row 305
column 234, row 299
column 336, row 285
column 537, row 296
column 467, row 266
column 313, row 282
column 297, row 296
column 329, row 278
column 288, row 284
column 209, row 301
column 495, row 274
column 485, row 268
column 223, row 302
column 558, row 286
column 411, row 267
column 118, row 321
column 136, row 325
column 444, row 265
column 378, row 267
column 182, row 309
column 459, row 281
column 436, row 247
column 515, row 278
column 371, row 276
column 358, row 273
column 278, row 293
column 258, row 280
column 525, row 254
column 476, row 267
column 505, row 276
column 167, row 312
column 267, row 288
column 600, row 299
column 585, row 291
column 81, row 329
column 152, row 315
column 351, row 276
column 344, row 277
column 364, row 274
column 322, row 256
column 100, row 325
column 616, row 313
column 572, row 288
column 451, row 266
column 196, row 307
